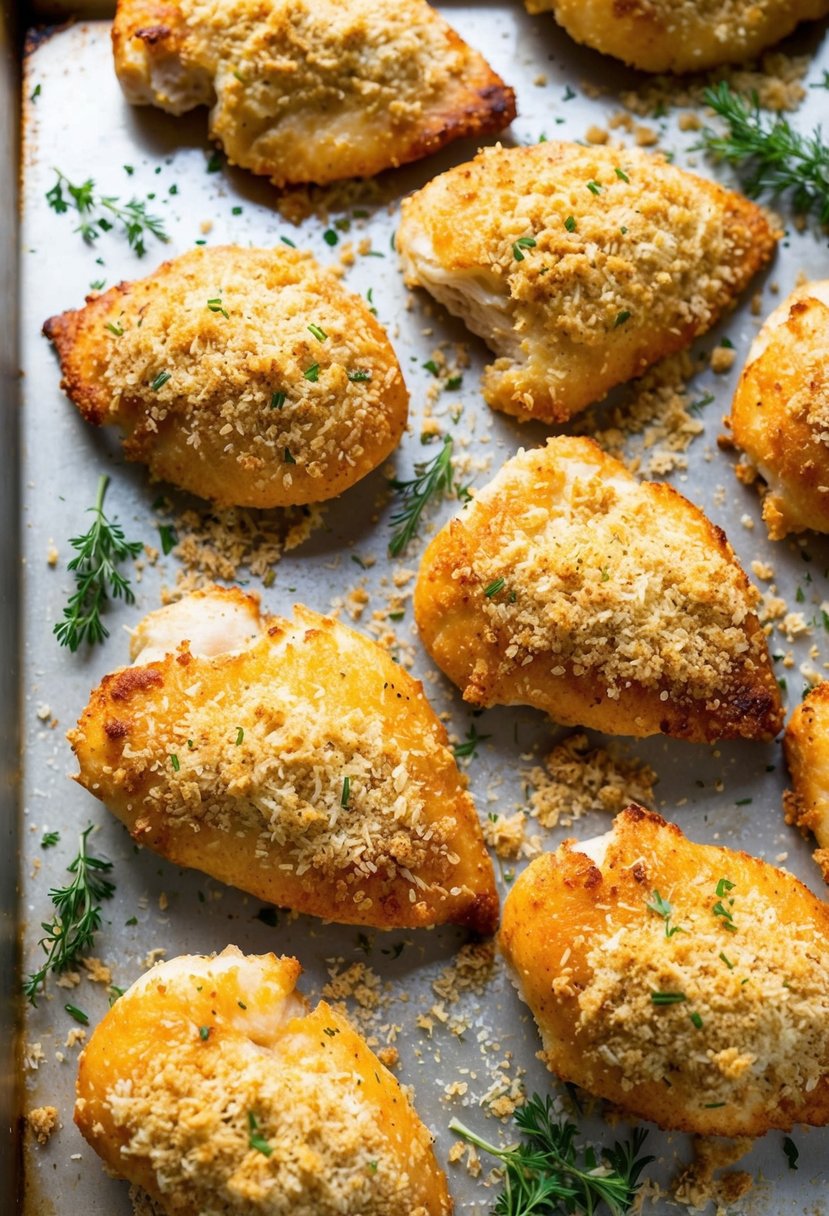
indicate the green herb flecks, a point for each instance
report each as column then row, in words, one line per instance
column 431, row 478
column 99, row 214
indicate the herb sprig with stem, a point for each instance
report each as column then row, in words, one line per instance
column 96, row 576
column 545, row 1172
column 776, row 158
column 431, row 477
column 77, row 915
column 101, row 213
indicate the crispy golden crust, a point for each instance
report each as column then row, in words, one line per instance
column 306, row 91
column 255, row 410
column 806, row 746
column 680, row 35
column 747, row 1049
column 613, row 278
column 305, row 767
column 203, row 1059
column 569, row 586
column 780, row 414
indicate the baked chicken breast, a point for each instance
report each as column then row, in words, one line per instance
column 568, row 585
column 686, row 984
column 311, row 90
column 578, row 266
column 211, row 1085
column 250, row 377
column 292, row 759
column 780, row 414
column 666, row 36
column 806, row 745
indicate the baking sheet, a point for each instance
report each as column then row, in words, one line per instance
column 729, row 794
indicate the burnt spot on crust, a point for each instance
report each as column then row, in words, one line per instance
column 116, row 728
column 634, row 813
column 639, row 872
column 152, row 34
column 134, row 679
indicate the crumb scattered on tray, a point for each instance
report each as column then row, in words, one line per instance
column 697, row 1187
column 42, row 1121
column 777, row 81
column 576, row 779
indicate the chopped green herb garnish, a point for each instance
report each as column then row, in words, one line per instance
column 176, row 763
column 570, row 223
column 319, row 334
column 101, row 214
column 620, row 173
column 696, row 1019
column 494, row 587
column 724, row 886
column 662, row 908
column 216, row 305
column 168, row 537
column 594, row 187
column 359, row 376
column 77, row 1014
column 287, row 241
column 330, row 237
column 115, row 329
column 792, row 1152
column 240, row 736
column 523, row 242
column 204, row 1033
column 432, row 367
column 621, row 317
column 346, row 794
column 668, row 998
column 288, row 457
column 36, row 91
column 49, row 839
column 255, row 1140
column 726, row 960
column 312, row 373
column 453, row 382
column 214, row 164
column 277, row 401
column 469, row 748
column 160, row 380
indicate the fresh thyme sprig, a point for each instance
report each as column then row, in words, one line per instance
column 77, row 915
column 776, row 158
column 101, row 213
column 545, row 1173
column 96, row 577
column 431, row 477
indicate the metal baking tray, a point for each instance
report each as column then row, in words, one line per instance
column 74, row 118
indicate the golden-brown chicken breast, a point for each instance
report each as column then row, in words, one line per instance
column 211, row 1085
column 247, row 376
column 568, row 585
column 579, row 267
column 686, row 984
column 806, row 745
column 293, row 759
column 311, row 90
column 780, row 415
column 666, row 36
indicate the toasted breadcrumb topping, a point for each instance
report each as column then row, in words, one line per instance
column 599, row 576
column 577, row 779
column 42, row 1121
column 763, row 1013
column 776, row 81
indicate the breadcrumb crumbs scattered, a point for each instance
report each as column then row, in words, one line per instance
column 97, row 971
column 42, row 1120
column 576, row 779
column 697, row 1187
column 722, row 359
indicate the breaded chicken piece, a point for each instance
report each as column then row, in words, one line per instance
column 568, row 585
column 806, row 746
column 311, row 90
column 680, row 35
column 247, row 376
column 579, row 267
column 780, row 415
column 292, row 759
column 211, row 1085
column 686, row 984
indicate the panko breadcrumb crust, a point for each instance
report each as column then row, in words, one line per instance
column 311, row 90
column 568, row 585
column 248, row 1101
column 307, row 768
column 214, row 369
column 742, row 1046
column 680, row 35
column 579, row 266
